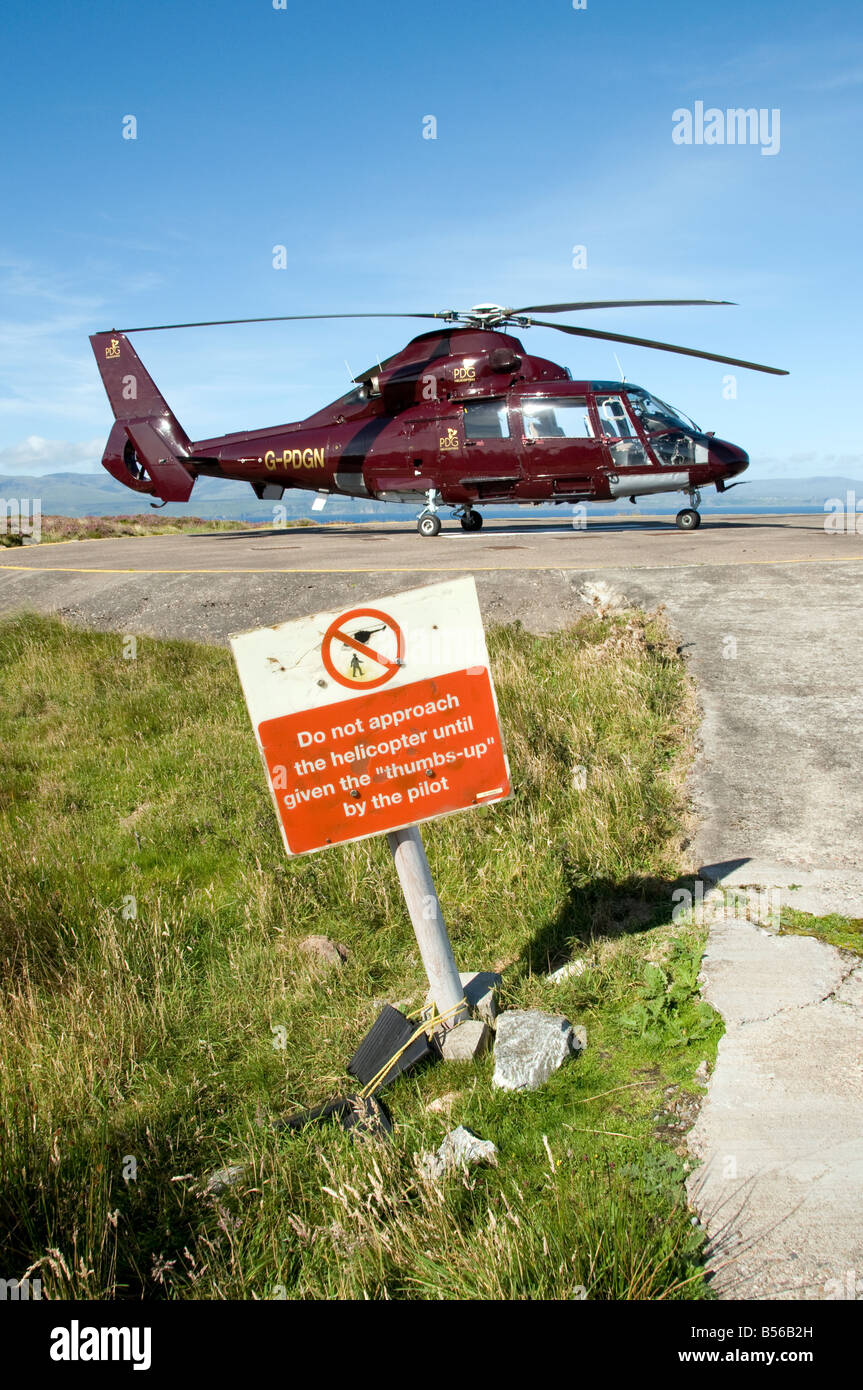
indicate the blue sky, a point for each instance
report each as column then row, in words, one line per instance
column 302, row 127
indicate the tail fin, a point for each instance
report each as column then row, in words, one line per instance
column 147, row 447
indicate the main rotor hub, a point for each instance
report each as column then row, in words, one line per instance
column 485, row 316
column 489, row 316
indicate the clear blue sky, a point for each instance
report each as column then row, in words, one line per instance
column 303, row 127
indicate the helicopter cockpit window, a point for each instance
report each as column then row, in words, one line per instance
column 620, row 434
column 564, row 418
column 655, row 416
column 485, row 420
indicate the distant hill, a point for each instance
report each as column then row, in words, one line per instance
column 98, row 494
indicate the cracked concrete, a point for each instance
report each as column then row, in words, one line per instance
column 779, row 1131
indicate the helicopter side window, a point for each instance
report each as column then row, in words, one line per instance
column 567, row 418
column 485, row 420
column 620, row 433
column 613, row 419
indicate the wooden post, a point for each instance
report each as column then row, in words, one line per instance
column 426, row 916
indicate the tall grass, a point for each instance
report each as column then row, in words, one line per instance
column 149, row 931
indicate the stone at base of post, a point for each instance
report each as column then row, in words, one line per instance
column 467, row 1042
column 481, row 988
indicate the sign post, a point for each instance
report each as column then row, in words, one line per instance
column 430, row 930
column 371, row 720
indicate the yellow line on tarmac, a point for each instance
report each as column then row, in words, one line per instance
column 435, row 569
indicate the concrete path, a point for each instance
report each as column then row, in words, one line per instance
column 778, row 660
column 779, row 1135
column 768, row 615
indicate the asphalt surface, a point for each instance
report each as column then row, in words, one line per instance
column 767, row 610
column 206, row 587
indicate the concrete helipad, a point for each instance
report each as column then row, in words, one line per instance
column 767, row 609
column 511, row 544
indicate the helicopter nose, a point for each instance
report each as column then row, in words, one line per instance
column 733, row 459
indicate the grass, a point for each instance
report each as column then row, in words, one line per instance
column 844, row 932
column 149, row 930
column 98, row 528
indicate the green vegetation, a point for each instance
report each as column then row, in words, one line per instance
column 100, row 528
column 845, row 932
column 149, row 930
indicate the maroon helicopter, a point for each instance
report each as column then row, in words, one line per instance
column 461, row 417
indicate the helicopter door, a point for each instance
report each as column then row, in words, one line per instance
column 487, row 466
column 559, row 448
column 619, row 435
column 404, row 462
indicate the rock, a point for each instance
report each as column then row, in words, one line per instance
column 702, row 1073
column 604, row 598
column 578, row 1041
column 460, row 1148
column 529, row 1046
column 223, row 1178
column 480, row 990
column 443, row 1104
column 467, row 1041
column 572, row 967
column 323, row 949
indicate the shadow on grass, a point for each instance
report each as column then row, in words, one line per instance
column 599, row 911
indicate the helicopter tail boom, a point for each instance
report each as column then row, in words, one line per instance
column 147, row 446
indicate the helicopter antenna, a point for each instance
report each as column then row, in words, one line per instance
column 350, row 373
column 619, row 367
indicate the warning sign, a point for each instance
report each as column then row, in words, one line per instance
column 363, row 648
column 375, row 718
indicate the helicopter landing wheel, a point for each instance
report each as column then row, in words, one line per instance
column 688, row 519
column 428, row 524
column 471, row 521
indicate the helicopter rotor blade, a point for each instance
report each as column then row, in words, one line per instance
column 612, row 304
column 662, row 347
column 456, row 316
column 449, row 315
column 279, row 318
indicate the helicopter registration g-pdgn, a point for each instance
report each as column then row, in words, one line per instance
column 462, row 416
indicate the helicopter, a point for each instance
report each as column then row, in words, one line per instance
column 461, row 417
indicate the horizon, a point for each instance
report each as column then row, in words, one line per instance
column 77, row 495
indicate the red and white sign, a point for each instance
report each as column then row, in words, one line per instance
column 358, row 658
column 375, row 718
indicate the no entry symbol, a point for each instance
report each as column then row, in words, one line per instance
column 363, row 648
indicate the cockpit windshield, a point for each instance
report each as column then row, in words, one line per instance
column 655, row 416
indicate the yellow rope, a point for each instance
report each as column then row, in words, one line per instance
column 427, row 1026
